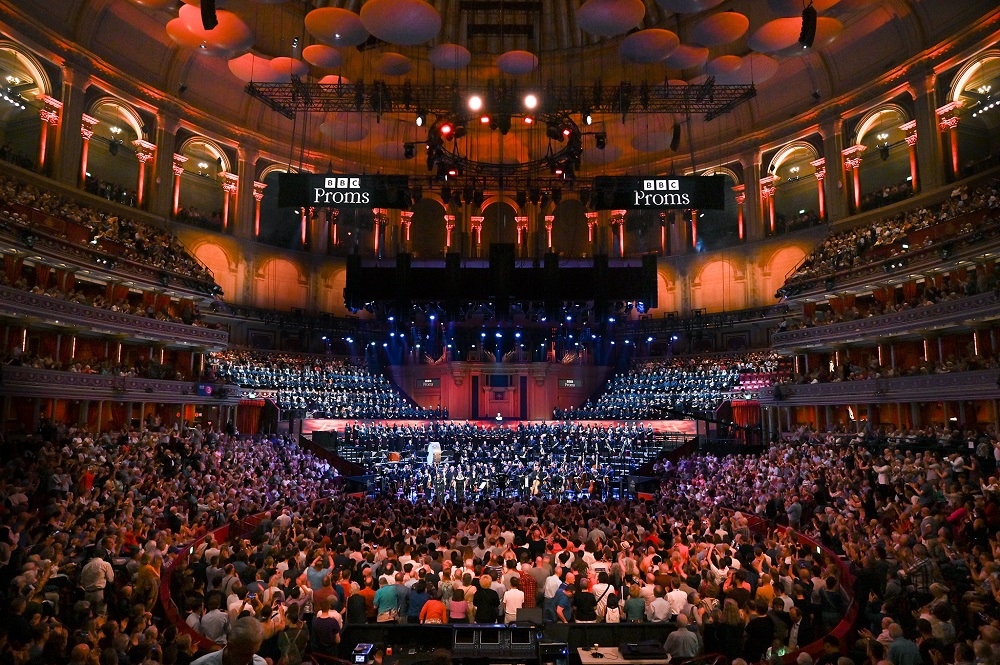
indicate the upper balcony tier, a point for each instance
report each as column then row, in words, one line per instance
column 63, row 313
column 947, row 315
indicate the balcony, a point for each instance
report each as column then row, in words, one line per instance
column 961, row 386
column 44, row 308
column 950, row 314
column 46, row 383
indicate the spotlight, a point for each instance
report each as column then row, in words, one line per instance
column 588, row 119
column 421, row 118
column 475, row 102
column 459, row 130
column 521, row 198
column 567, row 131
column 556, row 195
column 528, row 120
column 808, row 34
column 408, row 151
column 503, row 124
column 446, row 130
column 530, row 101
column 445, row 195
column 553, row 131
column 602, row 140
column 486, row 121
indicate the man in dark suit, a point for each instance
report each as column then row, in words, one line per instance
column 759, row 633
column 782, row 620
column 800, row 630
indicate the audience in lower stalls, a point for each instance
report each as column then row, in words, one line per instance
column 654, row 388
column 917, row 531
column 76, row 505
column 132, row 239
column 886, row 238
column 331, row 387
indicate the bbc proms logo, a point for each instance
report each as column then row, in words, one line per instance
column 662, row 192
column 340, row 191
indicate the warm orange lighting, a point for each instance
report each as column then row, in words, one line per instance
column 528, row 120
column 485, row 120
column 446, row 129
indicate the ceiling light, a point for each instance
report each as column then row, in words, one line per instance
column 445, row 129
column 588, row 118
column 528, row 120
column 485, row 120
column 421, row 118
column 475, row 102
column 530, row 101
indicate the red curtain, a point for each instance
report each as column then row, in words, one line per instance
column 13, row 265
column 746, row 413
column 881, row 295
column 248, row 416
column 148, row 298
column 837, row 305
column 963, row 274
column 909, row 290
column 119, row 293
column 117, row 414
column 848, row 301
column 162, row 302
column 42, row 273
column 809, row 309
column 69, row 281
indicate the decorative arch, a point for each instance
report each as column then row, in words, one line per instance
column 787, row 150
column 723, row 170
column 123, row 110
column 870, row 119
column 969, row 70
column 31, row 63
column 275, row 168
column 227, row 252
column 211, row 146
column 497, row 198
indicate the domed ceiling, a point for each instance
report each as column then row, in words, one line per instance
column 533, row 43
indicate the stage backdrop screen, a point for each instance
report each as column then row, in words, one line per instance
column 339, row 190
column 626, row 192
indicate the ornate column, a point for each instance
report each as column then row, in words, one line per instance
column 754, row 228
column 67, row 152
column 521, row 222
column 591, row 225
column 835, row 196
column 930, row 161
column 549, row 219
column 911, row 140
column 49, row 113
column 332, row 214
column 178, row 170
column 162, row 193
column 144, row 151
column 476, row 225
column 948, row 122
column 852, row 162
column 258, row 194
column 405, row 220
column 86, row 132
column 230, row 181
column 664, row 237
column 618, row 219
column 318, row 233
column 820, row 175
column 741, row 197
column 245, row 169
column 767, row 199
column 694, row 229
column 307, row 214
column 379, row 218
column 449, row 226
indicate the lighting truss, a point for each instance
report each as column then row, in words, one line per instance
column 379, row 97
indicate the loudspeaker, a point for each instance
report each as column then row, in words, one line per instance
column 675, row 139
column 403, row 282
column 453, row 283
column 808, row 34
column 531, row 615
column 208, row 17
column 649, row 281
column 501, row 277
column 550, row 283
column 353, row 287
column 600, row 289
